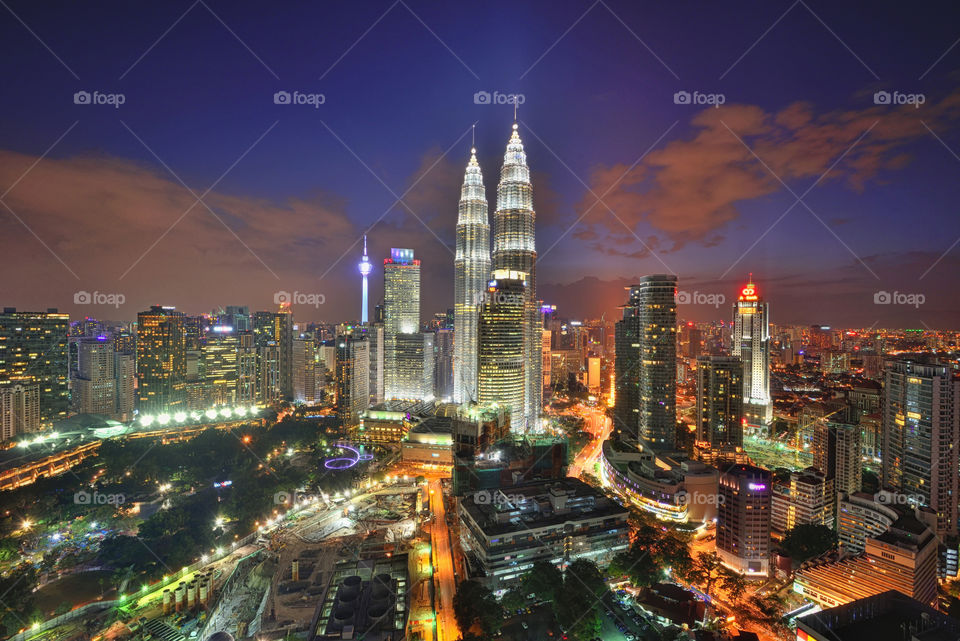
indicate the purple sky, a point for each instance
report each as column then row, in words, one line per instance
column 199, row 191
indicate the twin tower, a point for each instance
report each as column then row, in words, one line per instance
column 497, row 320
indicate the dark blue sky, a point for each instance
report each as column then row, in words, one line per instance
column 100, row 212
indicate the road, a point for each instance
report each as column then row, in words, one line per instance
column 598, row 424
column 444, row 582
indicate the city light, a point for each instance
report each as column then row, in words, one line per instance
column 183, row 418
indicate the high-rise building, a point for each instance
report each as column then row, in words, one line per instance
column 33, row 350
column 304, row 370
column 125, row 374
column 743, row 519
column 375, row 340
column 19, row 409
column 806, row 498
column 404, row 358
column 366, row 268
column 237, row 317
column 246, row 369
column 501, row 346
column 751, row 342
column 268, row 374
column 94, row 382
column 837, row 452
column 161, row 360
column 471, row 272
column 720, row 401
column 443, row 349
column 277, row 328
column 921, row 428
column 645, row 369
column 514, row 249
column 218, row 365
column 353, row 379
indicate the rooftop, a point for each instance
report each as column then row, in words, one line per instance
column 889, row 616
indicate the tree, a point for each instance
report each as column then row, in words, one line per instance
column 734, row 584
column 543, row 580
column 475, row 605
column 807, row 541
column 513, row 600
column 706, row 569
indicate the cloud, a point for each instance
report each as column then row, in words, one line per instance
column 689, row 190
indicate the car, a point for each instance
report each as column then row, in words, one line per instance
column 525, row 625
column 630, row 637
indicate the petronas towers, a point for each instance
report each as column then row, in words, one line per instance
column 479, row 300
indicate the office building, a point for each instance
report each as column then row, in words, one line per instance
column 887, row 616
column 743, row 519
column 353, row 378
column 19, row 410
column 904, row 558
column 246, row 369
column 236, row 316
column 161, row 361
column 861, row 515
column 218, row 368
column 838, row 453
column 33, row 350
column 514, row 250
column 751, row 342
column 125, row 374
column 507, row 530
column 645, row 369
column 404, row 358
column 471, row 271
column 921, row 427
column 268, row 387
column 444, row 346
column 94, row 382
column 720, row 402
column 805, row 498
column 304, row 370
column 277, row 328
column 501, row 346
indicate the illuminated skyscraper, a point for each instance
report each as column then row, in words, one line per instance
column 33, row 350
column 276, row 328
column 720, row 402
column 514, row 249
column 365, row 268
column 218, row 365
column 94, row 382
column 751, row 342
column 408, row 353
column 921, row 430
column 501, row 343
column 161, row 360
column 646, row 364
column 353, row 378
column 471, row 272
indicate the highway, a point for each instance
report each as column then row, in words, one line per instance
column 444, row 583
column 600, row 425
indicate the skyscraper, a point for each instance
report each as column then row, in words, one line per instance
column 161, row 360
column 33, row 351
column 720, row 401
column 743, row 519
column 353, row 379
column 514, row 249
column 471, row 271
column 645, row 368
column 751, row 342
column 837, row 453
column 406, row 355
column 921, row 429
column 94, row 383
column 304, row 370
column 218, row 365
column 365, row 268
column 501, row 343
column 277, row 328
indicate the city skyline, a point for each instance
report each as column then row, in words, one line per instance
column 804, row 179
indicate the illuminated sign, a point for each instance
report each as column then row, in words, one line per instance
column 749, row 293
column 757, row 487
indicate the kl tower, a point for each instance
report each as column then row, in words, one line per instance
column 365, row 268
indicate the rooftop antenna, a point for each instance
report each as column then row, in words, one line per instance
column 473, row 136
column 516, row 104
